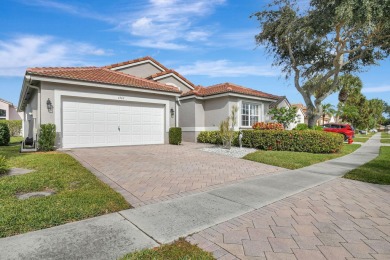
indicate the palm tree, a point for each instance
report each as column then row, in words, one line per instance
column 327, row 109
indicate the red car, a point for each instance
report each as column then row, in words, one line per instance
column 344, row 129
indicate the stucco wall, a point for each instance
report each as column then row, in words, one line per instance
column 13, row 114
column 216, row 110
column 187, row 113
column 142, row 70
column 177, row 83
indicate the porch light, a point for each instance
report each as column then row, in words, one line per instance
column 49, row 105
column 172, row 113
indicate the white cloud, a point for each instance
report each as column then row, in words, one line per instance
column 225, row 68
column 31, row 50
column 168, row 22
column 377, row 89
column 67, row 8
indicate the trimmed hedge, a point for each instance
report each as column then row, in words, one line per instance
column 47, row 137
column 5, row 136
column 277, row 140
column 175, row 135
column 15, row 127
column 214, row 137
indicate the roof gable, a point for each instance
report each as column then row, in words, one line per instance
column 174, row 74
column 135, row 62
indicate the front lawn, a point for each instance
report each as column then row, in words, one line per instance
column 375, row 171
column 179, row 250
column 295, row 160
column 385, row 138
column 78, row 193
column 360, row 139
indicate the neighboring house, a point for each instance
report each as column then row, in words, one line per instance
column 283, row 102
column 303, row 109
column 130, row 103
column 8, row 111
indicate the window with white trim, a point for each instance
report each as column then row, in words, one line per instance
column 250, row 114
column 3, row 114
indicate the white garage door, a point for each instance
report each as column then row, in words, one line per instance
column 94, row 123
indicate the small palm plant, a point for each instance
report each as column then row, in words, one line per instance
column 226, row 128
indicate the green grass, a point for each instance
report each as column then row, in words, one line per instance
column 376, row 171
column 79, row 194
column 364, row 136
column 296, row 160
column 385, row 141
column 179, row 250
column 360, row 139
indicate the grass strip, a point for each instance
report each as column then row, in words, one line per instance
column 179, row 250
column 376, row 171
column 296, row 160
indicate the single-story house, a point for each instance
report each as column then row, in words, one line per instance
column 299, row 116
column 8, row 111
column 130, row 103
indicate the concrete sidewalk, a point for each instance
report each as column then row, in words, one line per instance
column 113, row 235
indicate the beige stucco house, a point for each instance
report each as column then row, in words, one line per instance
column 130, row 103
column 8, row 111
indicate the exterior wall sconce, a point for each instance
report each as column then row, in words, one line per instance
column 172, row 112
column 49, row 105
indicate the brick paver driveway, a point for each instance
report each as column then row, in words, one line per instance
column 341, row 219
column 148, row 174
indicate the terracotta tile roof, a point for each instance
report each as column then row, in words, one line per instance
column 174, row 72
column 100, row 75
column 226, row 88
column 135, row 61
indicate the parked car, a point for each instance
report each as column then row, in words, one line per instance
column 363, row 132
column 344, row 129
column 373, row 130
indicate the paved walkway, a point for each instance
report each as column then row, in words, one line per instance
column 240, row 208
column 153, row 173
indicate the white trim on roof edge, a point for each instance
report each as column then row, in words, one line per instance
column 103, row 85
column 227, row 94
column 175, row 76
column 137, row 63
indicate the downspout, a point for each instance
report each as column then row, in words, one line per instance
column 177, row 104
column 39, row 105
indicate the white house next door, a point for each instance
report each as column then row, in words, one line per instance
column 94, row 123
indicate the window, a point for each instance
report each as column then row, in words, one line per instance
column 250, row 114
column 3, row 113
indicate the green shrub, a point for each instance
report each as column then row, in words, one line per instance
column 211, row 137
column 301, row 127
column 175, row 135
column 47, row 137
column 282, row 140
column 4, row 134
column 3, row 165
column 317, row 128
column 296, row 141
column 15, row 127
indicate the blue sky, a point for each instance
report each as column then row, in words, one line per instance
column 208, row 41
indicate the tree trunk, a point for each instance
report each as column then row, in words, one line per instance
column 312, row 116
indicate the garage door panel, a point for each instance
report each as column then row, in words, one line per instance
column 89, row 123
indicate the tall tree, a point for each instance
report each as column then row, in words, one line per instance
column 323, row 41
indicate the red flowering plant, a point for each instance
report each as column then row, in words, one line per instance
column 267, row 126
